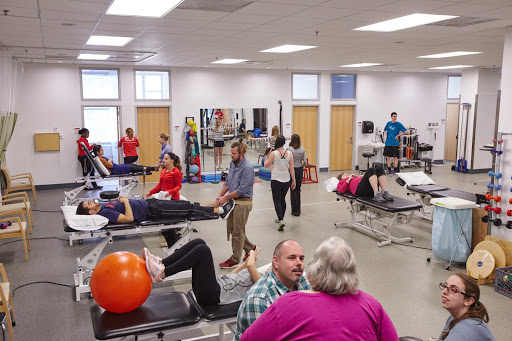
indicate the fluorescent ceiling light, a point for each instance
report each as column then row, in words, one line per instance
column 360, row 65
column 451, row 67
column 449, row 54
column 146, row 8
column 230, row 61
column 288, row 48
column 413, row 20
column 108, row 40
column 93, row 56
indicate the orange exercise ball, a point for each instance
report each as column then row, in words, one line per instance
column 120, row 282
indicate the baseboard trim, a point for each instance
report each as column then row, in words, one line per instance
column 57, row 186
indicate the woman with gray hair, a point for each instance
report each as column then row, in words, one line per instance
column 334, row 310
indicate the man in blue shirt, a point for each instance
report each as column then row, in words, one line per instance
column 393, row 130
column 239, row 186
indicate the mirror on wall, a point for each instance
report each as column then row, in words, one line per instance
column 230, row 119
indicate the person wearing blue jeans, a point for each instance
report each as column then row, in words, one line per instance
column 393, row 130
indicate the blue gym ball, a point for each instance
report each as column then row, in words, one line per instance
column 194, row 169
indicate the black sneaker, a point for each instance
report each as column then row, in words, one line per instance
column 228, row 207
column 387, row 196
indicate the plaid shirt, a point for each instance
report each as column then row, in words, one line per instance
column 262, row 294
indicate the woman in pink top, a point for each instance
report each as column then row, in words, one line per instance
column 366, row 185
column 334, row 310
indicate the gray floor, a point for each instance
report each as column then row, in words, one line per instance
column 398, row 276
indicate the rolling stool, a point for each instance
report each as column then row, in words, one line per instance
column 428, row 164
column 368, row 156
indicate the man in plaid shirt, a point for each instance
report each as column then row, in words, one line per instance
column 286, row 275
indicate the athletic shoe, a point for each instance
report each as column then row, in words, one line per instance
column 228, row 264
column 148, row 255
column 281, row 227
column 247, row 253
column 296, row 214
column 277, row 221
column 379, row 198
column 155, row 270
column 228, row 207
column 387, row 196
column 390, row 171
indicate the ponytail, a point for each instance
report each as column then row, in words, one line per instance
column 176, row 159
column 129, row 132
column 476, row 311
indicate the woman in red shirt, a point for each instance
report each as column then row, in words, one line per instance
column 366, row 185
column 87, row 167
column 129, row 144
column 169, row 186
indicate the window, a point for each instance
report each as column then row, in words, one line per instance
column 454, row 83
column 103, row 125
column 305, row 86
column 343, row 87
column 100, row 84
column 152, row 84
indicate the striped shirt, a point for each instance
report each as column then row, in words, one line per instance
column 262, row 294
column 271, row 140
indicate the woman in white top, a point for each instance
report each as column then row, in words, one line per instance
column 218, row 141
column 282, row 161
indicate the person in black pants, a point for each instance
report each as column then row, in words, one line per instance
column 208, row 288
column 87, row 167
column 299, row 161
column 366, row 185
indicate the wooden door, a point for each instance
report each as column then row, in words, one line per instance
column 151, row 121
column 452, row 126
column 341, row 137
column 304, row 124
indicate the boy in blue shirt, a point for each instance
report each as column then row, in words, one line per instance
column 393, row 130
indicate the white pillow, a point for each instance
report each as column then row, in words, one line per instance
column 416, row 179
column 83, row 222
column 101, row 166
column 331, row 184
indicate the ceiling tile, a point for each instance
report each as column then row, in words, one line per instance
column 186, row 14
column 324, row 13
column 271, row 8
column 259, row 19
column 356, row 4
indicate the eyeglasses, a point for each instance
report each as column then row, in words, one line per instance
column 452, row 289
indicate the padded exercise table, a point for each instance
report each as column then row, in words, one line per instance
column 162, row 315
column 387, row 214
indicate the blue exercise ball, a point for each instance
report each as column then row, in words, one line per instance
column 195, row 179
column 194, row 169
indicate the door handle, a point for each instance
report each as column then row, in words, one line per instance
column 350, row 139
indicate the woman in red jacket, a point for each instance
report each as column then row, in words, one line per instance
column 169, row 186
column 129, row 144
column 87, row 167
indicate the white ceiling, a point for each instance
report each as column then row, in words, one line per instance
column 55, row 31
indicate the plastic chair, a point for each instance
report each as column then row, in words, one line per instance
column 14, row 202
column 14, row 185
column 17, row 228
column 6, row 301
column 307, row 178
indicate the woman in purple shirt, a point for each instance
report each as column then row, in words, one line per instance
column 334, row 310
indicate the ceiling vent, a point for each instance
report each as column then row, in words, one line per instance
column 461, row 22
column 257, row 62
column 215, row 6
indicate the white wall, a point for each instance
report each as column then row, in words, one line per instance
column 50, row 97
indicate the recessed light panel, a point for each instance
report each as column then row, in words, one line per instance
column 146, row 8
column 449, row 54
column 229, row 61
column 288, row 48
column 361, row 65
column 108, row 40
column 451, row 67
column 413, row 20
column 93, row 56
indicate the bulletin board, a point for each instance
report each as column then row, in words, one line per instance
column 46, row 142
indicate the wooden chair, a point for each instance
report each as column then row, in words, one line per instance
column 6, row 302
column 14, row 185
column 18, row 228
column 307, row 178
column 14, row 202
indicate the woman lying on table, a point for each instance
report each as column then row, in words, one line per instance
column 114, row 168
column 208, row 288
column 366, row 185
